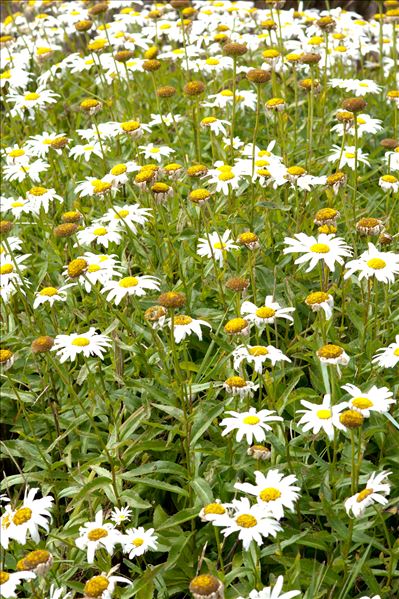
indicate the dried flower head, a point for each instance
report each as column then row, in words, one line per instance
column 326, row 216
column 197, row 170
column 152, row 65
column 233, row 49
column 172, row 299
column 356, row 104
column 194, row 88
column 5, row 226
column 83, row 25
column 73, row 216
column 258, row 76
column 206, row 586
column 42, row 344
column 351, row 418
column 65, row 230
column 237, row 284
column 166, row 91
column 369, row 226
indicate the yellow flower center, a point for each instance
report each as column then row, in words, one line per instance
column 269, row 494
column 227, row 93
column 5, row 355
column 118, row 169
column 100, row 231
column 6, row 269
column 22, row 515
column 323, row 414
column 214, row 508
column 181, row 320
column 35, row 558
column 138, row 542
column 48, row 291
column 362, row 403
column 320, row 248
column 43, row 50
column 4, row 576
column 265, row 312
column 236, row 325
column 16, row 153
column 246, row 521
column 130, row 126
column 97, row 533
column 93, row 268
column 6, row 75
column 363, row 494
column 155, row 150
column 252, row 420
column 81, row 341
column 396, row 352
column 32, row 96
column 121, row 214
column 96, row 586
column 212, row 61
column 226, row 176
column 127, row 282
column 296, row 171
column 17, row 204
column 258, row 350
column 219, row 245
column 38, row 191
column 235, row 381
column 101, row 186
column 360, row 121
column 349, row 155
column 386, row 178
column 376, row 263
column 208, row 120
column 330, row 351
column 317, row 297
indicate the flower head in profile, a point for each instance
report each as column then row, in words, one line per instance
column 183, row 326
column 127, row 286
column 326, row 248
column 387, row 357
column 251, row 424
column 374, row 492
column 257, row 356
column 90, row 343
column 10, row 580
column 102, row 586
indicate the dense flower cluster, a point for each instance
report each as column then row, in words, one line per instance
column 199, row 273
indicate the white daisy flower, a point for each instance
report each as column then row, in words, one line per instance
column 348, row 156
column 86, row 151
column 16, row 154
column 88, row 344
column 31, row 101
column 273, row 491
column 51, row 295
column 39, row 145
column 319, row 300
column 17, row 207
column 28, row 518
column 237, row 386
column 40, row 197
column 275, row 592
column 373, row 263
column 323, row 416
column 10, row 580
column 257, row 355
column 361, row 87
column 19, row 172
column 16, row 78
column 103, row 585
column 131, row 285
column 13, row 244
column 267, row 313
column 98, row 233
column 128, row 215
column 137, row 541
column 326, row 248
column 365, row 124
column 120, row 515
column 375, row 492
column 251, row 522
column 183, row 326
column 101, row 269
column 10, row 267
column 213, row 511
column 217, row 126
column 216, row 246
column 376, row 399
column 389, row 183
column 155, row 152
column 224, row 177
column 96, row 535
column 59, row 593
column 387, row 357
column 332, row 354
column 251, row 424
